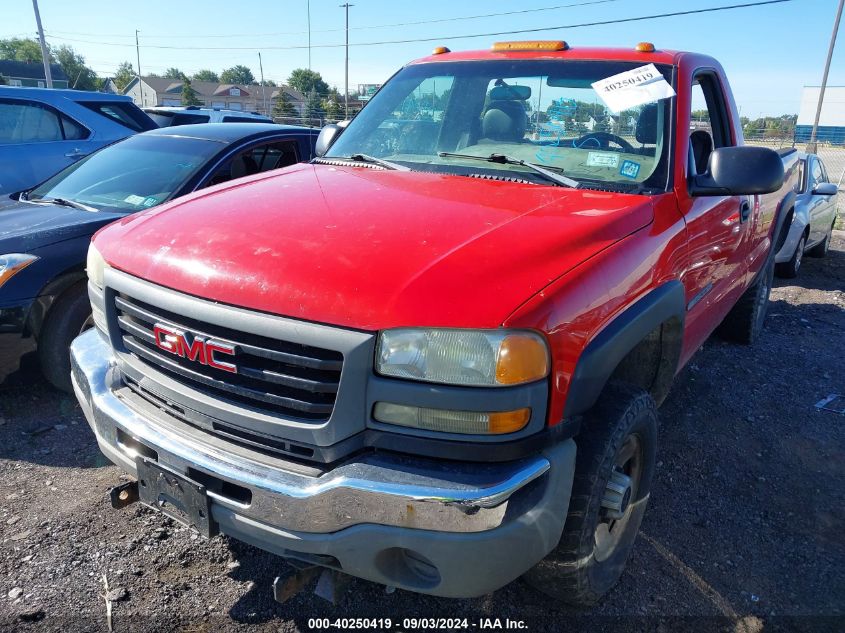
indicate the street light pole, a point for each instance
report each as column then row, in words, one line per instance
column 138, row 56
column 45, row 55
column 812, row 146
column 308, row 9
column 263, row 89
column 346, row 75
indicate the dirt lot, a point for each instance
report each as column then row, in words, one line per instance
column 744, row 531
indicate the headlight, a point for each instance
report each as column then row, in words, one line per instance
column 94, row 266
column 480, row 358
column 12, row 264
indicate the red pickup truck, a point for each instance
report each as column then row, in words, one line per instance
column 433, row 357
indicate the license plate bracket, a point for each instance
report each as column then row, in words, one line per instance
column 175, row 495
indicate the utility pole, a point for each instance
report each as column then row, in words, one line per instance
column 45, row 54
column 308, row 9
column 263, row 89
column 346, row 75
column 812, row 146
column 138, row 55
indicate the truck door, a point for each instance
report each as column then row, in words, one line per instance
column 718, row 227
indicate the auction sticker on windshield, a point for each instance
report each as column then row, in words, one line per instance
column 633, row 87
column 602, row 159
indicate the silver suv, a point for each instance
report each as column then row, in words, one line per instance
column 166, row 116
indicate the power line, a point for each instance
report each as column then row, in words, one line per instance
column 362, row 28
column 442, row 38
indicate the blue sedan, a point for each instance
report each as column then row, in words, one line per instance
column 44, row 233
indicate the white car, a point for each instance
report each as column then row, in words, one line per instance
column 166, row 116
column 813, row 220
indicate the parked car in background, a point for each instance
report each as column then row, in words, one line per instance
column 43, row 131
column 44, row 234
column 812, row 223
column 165, row 116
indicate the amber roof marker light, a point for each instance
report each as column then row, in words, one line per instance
column 644, row 47
column 530, row 45
column 440, row 50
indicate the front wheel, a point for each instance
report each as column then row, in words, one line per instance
column 67, row 319
column 613, row 471
column 789, row 270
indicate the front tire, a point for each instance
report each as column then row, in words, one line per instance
column 789, row 270
column 67, row 319
column 613, row 471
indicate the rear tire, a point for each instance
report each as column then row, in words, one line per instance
column 594, row 545
column 789, row 270
column 744, row 322
column 67, row 319
column 821, row 249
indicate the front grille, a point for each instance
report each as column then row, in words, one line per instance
column 279, row 377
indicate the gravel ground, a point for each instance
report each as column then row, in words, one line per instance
column 743, row 532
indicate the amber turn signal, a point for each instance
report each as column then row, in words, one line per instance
column 440, row 50
column 644, row 47
column 523, row 357
column 452, row 421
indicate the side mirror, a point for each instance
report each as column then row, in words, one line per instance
column 328, row 135
column 738, row 171
column 825, row 189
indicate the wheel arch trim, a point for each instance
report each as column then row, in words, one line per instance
column 665, row 304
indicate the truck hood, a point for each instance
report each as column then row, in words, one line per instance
column 372, row 249
column 25, row 226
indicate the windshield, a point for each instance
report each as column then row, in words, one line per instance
column 137, row 173
column 541, row 112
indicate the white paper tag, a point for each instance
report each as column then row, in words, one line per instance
column 602, row 159
column 633, row 87
column 133, row 199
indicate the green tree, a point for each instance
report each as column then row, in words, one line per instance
column 21, row 50
column 283, row 106
column 174, row 73
column 313, row 106
column 190, row 97
column 79, row 75
column 306, row 81
column 206, row 75
column 331, row 106
column 237, row 75
column 124, row 74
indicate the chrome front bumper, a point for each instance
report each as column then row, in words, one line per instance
column 391, row 498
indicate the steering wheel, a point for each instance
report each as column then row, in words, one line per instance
column 603, row 141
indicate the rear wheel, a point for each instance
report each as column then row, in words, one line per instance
column 613, row 471
column 67, row 319
column 821, row 249
column 789, row 270
column 744, row 322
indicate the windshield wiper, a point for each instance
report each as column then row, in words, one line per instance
column 366, row 158
column 63, row 202
column 504, row 159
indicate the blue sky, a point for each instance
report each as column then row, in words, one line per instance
column 769, row 52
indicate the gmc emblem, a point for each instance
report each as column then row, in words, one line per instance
column 194, row 348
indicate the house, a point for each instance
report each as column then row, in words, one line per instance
column 31, row 74
column 161, row 91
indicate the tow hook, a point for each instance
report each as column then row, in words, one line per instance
column 617, row 496
column 331, row 584
column 124, row 495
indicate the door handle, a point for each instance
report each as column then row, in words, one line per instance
column 744, row 211
column 75, row 154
